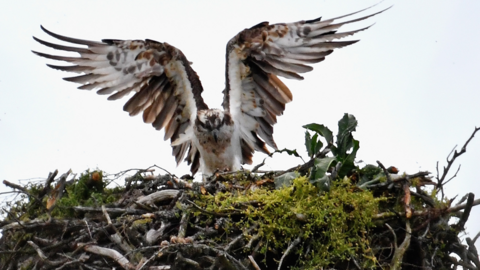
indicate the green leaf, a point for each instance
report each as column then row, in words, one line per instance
column 346, row 126
column 348, row 162
column 285, row 179
column 318, row 176
column 322, row 130
column 312, row 144
column 308, row 143
column 318, row 145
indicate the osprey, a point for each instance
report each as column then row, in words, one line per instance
column 167, row 91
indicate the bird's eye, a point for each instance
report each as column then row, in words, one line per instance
column 199, row 123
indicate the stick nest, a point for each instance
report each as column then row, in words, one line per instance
column 373, row 219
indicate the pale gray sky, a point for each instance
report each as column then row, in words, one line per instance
column 412, row 83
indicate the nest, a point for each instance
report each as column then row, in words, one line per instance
column 162, row 222
column 315, row 216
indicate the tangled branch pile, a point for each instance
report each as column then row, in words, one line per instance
column 325, row 214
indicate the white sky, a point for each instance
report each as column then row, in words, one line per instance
column 412, row 83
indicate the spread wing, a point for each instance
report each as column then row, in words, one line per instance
column 254, row 94
column 167, row 91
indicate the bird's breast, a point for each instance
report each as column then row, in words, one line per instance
column 217, row 150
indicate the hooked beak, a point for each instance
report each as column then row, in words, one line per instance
column 215, row 136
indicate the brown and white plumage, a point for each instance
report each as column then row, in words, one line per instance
column 167, row 91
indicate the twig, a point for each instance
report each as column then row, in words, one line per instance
column 149, row 169
column 476, row 237
column 81, row 259
column 464, row 265
column 440, row 181
column 455, row 175
column 48, row 181
column 23, row 190
column 433, row 256
column 464, row 198
column 426, row 231
column 45, row 258
column 221, row 253
column 223, row 263
column 38, row 223
column 253, row 239
column 9, row 192
column 182, row 183
column 235, row 260
column 156, row 166
column 406, row 199
column 387, row 174
column 191, row 263
column 394, row 235
column 300, row 168
column 290, row 247
column 114, row 211
column 182, row 230
column 153, row 235
column 254, row 263
column 400, row 251
column 239, row 237
column 255, row 169
column 462, row 206
column 111, row 253
column 355, row 262
column 141, row 265
column 88, row 228
column 452, row 209
column 104, row 210
column 472, row 252
column 117, row 237
column 38, row 250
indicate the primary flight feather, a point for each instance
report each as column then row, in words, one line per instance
column 167, row 91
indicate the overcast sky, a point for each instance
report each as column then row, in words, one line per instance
column 412, row 82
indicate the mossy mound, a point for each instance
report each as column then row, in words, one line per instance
column 333, row 226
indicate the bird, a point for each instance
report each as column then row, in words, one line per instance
column 162, row 86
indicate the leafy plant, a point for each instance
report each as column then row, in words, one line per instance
column 344, row 150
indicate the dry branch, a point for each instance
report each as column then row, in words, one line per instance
column 111, row 253
column 158, row 196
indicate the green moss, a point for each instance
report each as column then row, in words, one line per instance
column 24, row 207
column 88, row 190
column 140, row 222
column 335, row 223
column 370, row 171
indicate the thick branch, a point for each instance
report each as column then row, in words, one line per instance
column 468, row 207
column 111, row 253
column 158, row 196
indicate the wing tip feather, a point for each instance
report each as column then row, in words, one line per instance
column 72, row 40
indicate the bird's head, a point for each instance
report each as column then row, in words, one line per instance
column 214, row 124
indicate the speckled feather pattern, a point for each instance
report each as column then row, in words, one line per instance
column 167, row 91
